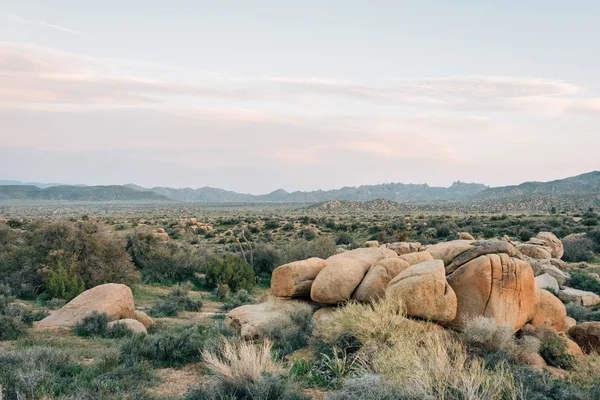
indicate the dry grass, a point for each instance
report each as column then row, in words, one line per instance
column 241, row 364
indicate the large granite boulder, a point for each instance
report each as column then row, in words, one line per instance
column 113, row 299
column 425, row 292
column 549, row 312
column 496, row 286
column 546, row 281
column 344, row 272
column 556, row 246
column 416, row 258
column 448, row 251
column 582, row 297
column 535, row 251
column 377, row 279
column 296, row 278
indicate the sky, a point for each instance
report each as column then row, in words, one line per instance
column 253, row 96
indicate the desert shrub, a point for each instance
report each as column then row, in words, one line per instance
column 584, row 281
column 165, row 262
column 291, row 331
column 536, row 384
column 11, row 328
column 307, row 233
column 485, row 336
column 177, row 300
column 166, row 349
column 231, row 270
column 94, row 324
column 238, row 299
column 265, row 257
column 246, row 372
column 117, row 331
column 300, row 249
column 554, row 350
column 594, row 236
column 344, row 238
column 323, row 247
column 54, row 304
column 578, row 249
column 577, row 311
column 368, row 387
column 64, row 284
column 24, row 313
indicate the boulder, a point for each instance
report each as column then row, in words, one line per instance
column 143, row 318
column 549, row 312
column 324, row 315
column 113, row 299
column 133, row 325
column 572, row 346
column 296, row 278
column 546, row 266
column 556, row 246
column 249, row 319
column 416, row 258
column 496, row 286
column 587, row 336
column 534, row 251
column 377, row 279
column 545, row 281
column 465, row 236
column 448, row 251
column 481, row 248
column 569, row 323
column 371, row 243
column 425, row 292
column 579, row 296
column 344, row 272
column 404, row 247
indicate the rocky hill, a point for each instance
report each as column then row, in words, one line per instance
column 353, row 206
column 77, row 193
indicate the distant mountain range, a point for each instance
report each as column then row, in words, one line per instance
column 585, row 184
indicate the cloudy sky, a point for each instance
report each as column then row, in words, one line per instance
column 258, row 95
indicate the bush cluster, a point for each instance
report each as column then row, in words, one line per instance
column 177, row 300
column 230, row 270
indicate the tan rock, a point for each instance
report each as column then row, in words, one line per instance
column 404, row 247
column 481, row 248
column 248, row 320
column 133, row 325
column 424, row 292
column 569, row 323
column 448, row 251
column 572, row 347
column 377, row 279
column 143, row 318
column 324, row 315
column 579, row 296
column 296, row 278
column 549, row 312
column 114, row 299
column 160, row 230
column 344, row 272
column 556, row 246
column 465, row 236
column 533, row 251
column 416, row 258
column 545, row 281
column 587, row 336
column 495, row 286
column 371, row 243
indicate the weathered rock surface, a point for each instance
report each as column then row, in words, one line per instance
column 481, row 248
column 465, row 236
column 579, row 296
column 114, row 299
column 404, row 247
column 448, row 251
column 296, row 278
column 249, row 319
column 545, row 281
column 324, row 315
column 534, row 251
column 549, row 312
column 146, row 320
column 587, row 336
column 569, row 323
column 344, row 272
column 555, row 244
column 416, row 258
column 425, row 292
column 378, row 277
column 496, row 286
column 133, row 325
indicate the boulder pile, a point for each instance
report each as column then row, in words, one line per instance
column 450, row 283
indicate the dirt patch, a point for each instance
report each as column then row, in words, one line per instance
column 175, row 382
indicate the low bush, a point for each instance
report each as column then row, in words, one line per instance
column 238, row 299
column 555, row 351
column 95, row 324
column 11, row 328
column 265, row 257
column 368, row 387
column 584, row 281
column 64, row 284
column 291, row 331
column 231, row 270
column 578, row 249
column 577, row 311
column 177, row 300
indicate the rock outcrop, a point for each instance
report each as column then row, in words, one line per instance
column 296, row 278
column 556, row 246
column 377, row 279
column 587, row 336
column 416, row 258
column 113, row 299
column 549, row 312
column 344, row 272
column 425, row 292
column 579, row 296
column 404, row 247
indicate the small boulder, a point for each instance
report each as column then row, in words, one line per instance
column 556, row 246
column 404, row 247
column 416, row 258
column 465, row 236
column 143, row 318
column 587, row 336
column 534, row 251
column 296, row 278
column 545, row 281
column 549, row 312
column 424, row 292
column 371, row 243
column 113, row 299
column 133, row 325
column 579, row 296
column 569, row 323
column 324, row 315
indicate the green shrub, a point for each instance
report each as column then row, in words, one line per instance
column 177, row 300
column 95, row 324
column 584, row 281
column 577, row 311
column 117, row 331
column 344, row 238
column 64, row 284
column 265, row 257
column 368, row 387
column 578, row 249
column 231, row 270
column 554, row 350
column 238, row 299
column 291, row 331
column 11, row 328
